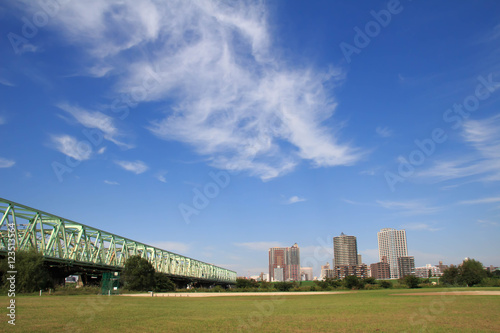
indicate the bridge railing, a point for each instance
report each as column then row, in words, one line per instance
column 25, row 228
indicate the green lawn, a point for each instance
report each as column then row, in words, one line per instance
column 362, row 311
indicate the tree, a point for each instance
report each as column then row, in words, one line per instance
column 246, row 283
column 138, row 274
column 163, row 283
column 328, row 283
column 352, row 282
column 411, row 281
column 471, row 272
column 265, row 285
column 369, row 280
column 32, row 272
column 284, row 286
column 451, row 276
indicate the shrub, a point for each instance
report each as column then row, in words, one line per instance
column 385, row 284
column 369, row 280
column 71, row 290
column 490, row 282
column 163, row 283
column 352, row 282
column 371, row 286
column 411, row 281
column 246, row 283
column 284, row 286
column 217, row 289
column 328, row 284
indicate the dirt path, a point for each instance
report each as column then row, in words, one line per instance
column 291, row 293
column 453, row 293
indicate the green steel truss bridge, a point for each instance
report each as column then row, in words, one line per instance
column 75, row 244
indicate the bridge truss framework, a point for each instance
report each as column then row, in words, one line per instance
column 69, row 242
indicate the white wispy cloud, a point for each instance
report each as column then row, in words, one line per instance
column 109, row 182
column 295, row 199
column 225, row 90
column 258, row 246
column 350, row 202
column 488, row 223
column 370, row 172
column 491, row 36
column 136, row 167
column 2, row 120
column 97, row 120
column 483, row 165
column 99, row 71
column 420, row 226
column 480, row 201
column 70, row 146
column 413, row 207
column 6, row 163
column 6, row 82
column 384, row 132
column 161, row 177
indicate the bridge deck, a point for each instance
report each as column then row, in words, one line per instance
column 60, row 239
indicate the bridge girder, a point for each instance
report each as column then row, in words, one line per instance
column 60, row 239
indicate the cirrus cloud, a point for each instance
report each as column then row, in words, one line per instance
column 136, row 167
column 6, row 163
column 212, row 68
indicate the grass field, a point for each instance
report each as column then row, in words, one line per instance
column 362, row 311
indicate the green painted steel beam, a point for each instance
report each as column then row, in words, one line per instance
column 72, row 242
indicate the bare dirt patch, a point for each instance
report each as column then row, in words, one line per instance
column 290, row 293
column 458, row 293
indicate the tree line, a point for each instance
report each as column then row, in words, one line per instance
column 34, row 274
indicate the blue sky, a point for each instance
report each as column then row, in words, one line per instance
column 217, row 130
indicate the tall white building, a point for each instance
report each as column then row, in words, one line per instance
column 392, row 245
column 324, row 269
column 306, row 273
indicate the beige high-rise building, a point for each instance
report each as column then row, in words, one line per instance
column 392, row 245
column 345, row 250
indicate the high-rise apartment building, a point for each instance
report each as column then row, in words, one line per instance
column 345, row 250
column 380, row 270
column 341, row 271
column 284, row 263
column 406, row 266
column 392, row 245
